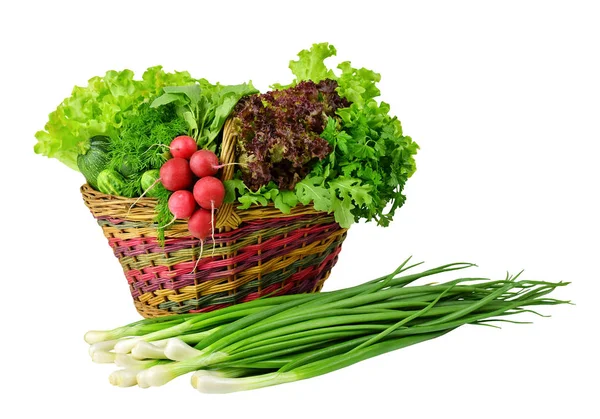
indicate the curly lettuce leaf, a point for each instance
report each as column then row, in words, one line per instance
column 285, row 201
column 247, row 197
column 359, row 86
column 99, row 109
column 278, row 132
column 310, row 64
column 370, row 160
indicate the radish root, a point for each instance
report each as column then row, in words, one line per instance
column 212, row 226
column 170, row 222
column 142, row 195
column 220, row 166
column 199, row 256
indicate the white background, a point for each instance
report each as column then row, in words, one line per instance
column 502, row 97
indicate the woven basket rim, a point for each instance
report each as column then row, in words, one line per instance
column 228, row 216
column 118, row 207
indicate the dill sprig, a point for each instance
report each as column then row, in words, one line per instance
column 143, row 143
column 163, row 214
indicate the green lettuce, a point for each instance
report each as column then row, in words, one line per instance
column 99, row 109
column 311, row 63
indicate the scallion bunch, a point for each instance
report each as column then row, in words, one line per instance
column 288, row 338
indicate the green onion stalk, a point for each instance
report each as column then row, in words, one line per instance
column 282, row 339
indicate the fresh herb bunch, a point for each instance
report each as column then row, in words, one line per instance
column 363, row 176
column 370, row 163
column 143, row 142
column 279, row 132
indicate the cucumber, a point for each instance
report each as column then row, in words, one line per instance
column 127, row 167
column 111, row 183
column 147, row 181
column 94, row 160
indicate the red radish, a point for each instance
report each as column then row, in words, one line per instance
column 200, row 224
column 175, row 174
column 182, row 204
column 183, row 147
column 204, row 163
column 209, row 192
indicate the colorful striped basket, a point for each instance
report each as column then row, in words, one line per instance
column 259, row 251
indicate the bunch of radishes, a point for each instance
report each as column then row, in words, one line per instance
column 189, row 174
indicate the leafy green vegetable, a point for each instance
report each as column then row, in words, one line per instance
column 370, row 158
column 347, row 156
column 278, row 132
column 284, row 200
column 204, row 107
column 358, row 86
column 312, row 190
column 163, row 214
column 311, row 66
column 143, row 143
column 369, row 148
column 248, row 197
column 100, row 108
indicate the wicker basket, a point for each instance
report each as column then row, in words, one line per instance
column 256, row 252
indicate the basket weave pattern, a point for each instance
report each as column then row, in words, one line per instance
column 256, row 252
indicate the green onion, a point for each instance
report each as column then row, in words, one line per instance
column 216, row 384
column 277, row 340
